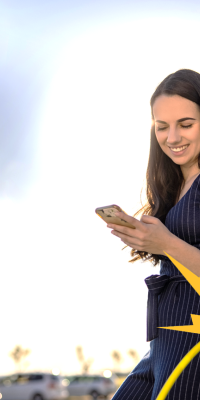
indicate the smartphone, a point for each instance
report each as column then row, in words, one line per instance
column 107, row 213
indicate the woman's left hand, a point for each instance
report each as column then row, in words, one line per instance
column 150, row 235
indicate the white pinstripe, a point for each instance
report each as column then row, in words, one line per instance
column 168, row 361
column 183, row 348
column 175, row 360
column 182, row 222
column 167, row 335
column 194, row 209
column 190, row 365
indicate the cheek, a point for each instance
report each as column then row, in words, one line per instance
column 157, row 136
column 160, row 138
column 194, row 137
column 197, row 135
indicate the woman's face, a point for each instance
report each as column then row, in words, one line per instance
column 177, row 123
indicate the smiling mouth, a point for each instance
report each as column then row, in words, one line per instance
column 178, row 152
column 179, row 147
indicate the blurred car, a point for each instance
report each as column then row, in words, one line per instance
column 93, row 385
column 120, row 377
column 32, row 386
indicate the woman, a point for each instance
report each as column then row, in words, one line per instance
column 172, row 226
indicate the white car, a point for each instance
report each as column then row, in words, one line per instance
column 32, row 386
column 93, row 385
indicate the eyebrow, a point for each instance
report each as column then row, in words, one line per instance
column 178, row 120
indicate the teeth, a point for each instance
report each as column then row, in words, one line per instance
column 179, row 148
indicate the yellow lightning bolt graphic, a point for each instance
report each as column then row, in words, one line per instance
column 194, row 281
column 195, row 328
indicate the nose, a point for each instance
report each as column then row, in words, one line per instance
column 174, row 137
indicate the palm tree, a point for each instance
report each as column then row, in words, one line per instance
column 134, row 355
column 18, row 354
column 85, row 364
column 117, row 358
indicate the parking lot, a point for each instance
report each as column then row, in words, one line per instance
column 88, row 397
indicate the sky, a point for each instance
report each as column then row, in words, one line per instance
column 76, row 80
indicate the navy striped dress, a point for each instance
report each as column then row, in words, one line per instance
column 176, row 302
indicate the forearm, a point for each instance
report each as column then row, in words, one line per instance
column 184, row 253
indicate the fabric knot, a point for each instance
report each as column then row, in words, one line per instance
column 156, row 284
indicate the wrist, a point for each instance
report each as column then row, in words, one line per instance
column 171, row 244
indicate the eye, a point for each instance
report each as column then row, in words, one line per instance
column 161, row 129
column 186, row 126
column 182, row 126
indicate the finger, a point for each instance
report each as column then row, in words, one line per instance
column 131, row 220
column 133, row 242
column 122, row 229
column 127, row 243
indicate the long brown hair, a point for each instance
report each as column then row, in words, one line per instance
column 164, row 178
